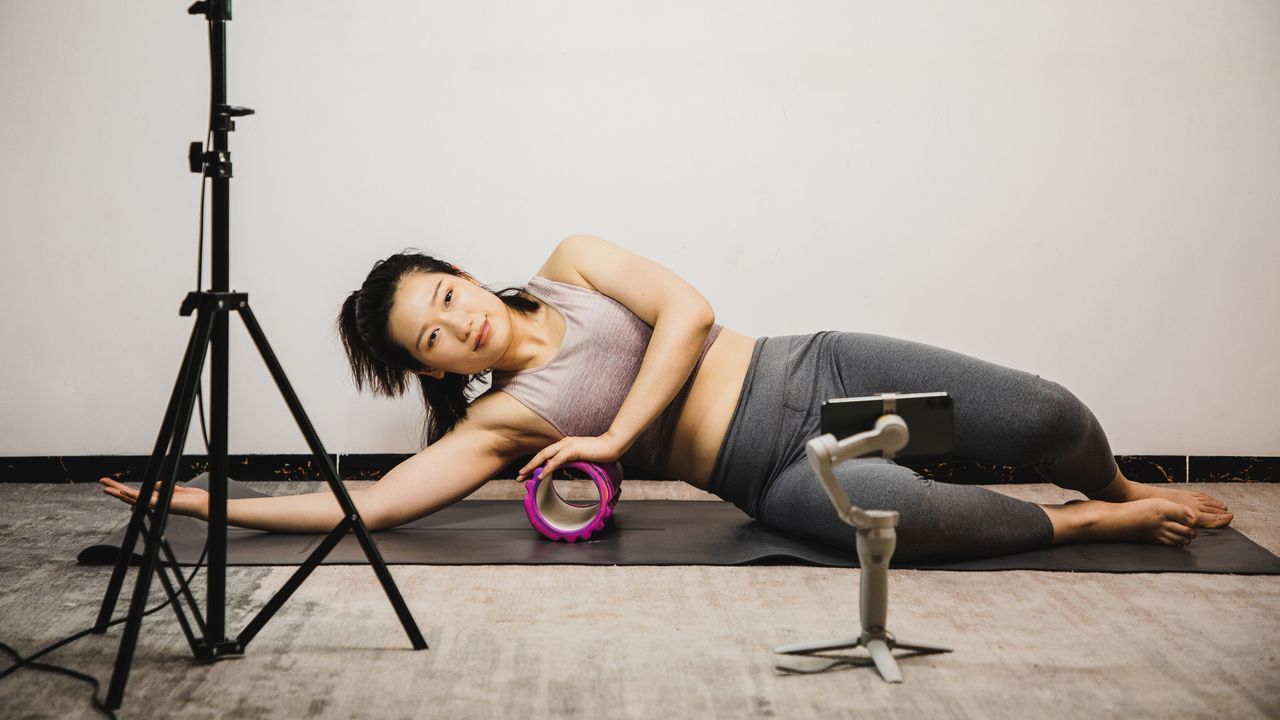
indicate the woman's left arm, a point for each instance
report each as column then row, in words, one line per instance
column 681, row 319
column 673, row 351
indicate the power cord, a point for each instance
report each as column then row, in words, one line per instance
column 30, row 660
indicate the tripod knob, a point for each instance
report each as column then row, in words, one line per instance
column 215, row 10
column 195, row 157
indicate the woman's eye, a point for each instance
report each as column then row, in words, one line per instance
column 432, row 340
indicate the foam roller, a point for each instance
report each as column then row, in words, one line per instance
column 560, row 519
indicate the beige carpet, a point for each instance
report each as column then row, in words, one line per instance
column 649, row 642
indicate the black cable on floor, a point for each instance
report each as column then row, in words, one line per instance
column 30, row 661
column 23, row 662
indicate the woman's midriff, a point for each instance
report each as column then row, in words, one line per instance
column 708, row 409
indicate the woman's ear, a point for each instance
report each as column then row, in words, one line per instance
column 437, row 374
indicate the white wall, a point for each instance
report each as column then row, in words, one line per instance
column 1084, row 190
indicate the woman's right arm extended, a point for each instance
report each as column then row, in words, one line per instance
column 445, row 472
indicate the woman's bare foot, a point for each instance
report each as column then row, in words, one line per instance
column 1154, row 520
column 1209, row 511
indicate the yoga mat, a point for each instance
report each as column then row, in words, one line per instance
column 659, row 532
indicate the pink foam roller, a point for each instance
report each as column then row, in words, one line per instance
column 558, row 519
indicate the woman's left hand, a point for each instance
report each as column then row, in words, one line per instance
column 602, row 449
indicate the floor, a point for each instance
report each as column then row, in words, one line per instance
column 643, row 642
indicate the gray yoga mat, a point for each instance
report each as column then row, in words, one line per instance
column 659, row 532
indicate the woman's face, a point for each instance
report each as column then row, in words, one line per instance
column 438, row 318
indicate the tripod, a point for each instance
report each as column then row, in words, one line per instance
column 211, row 310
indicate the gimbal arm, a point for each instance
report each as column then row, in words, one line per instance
column 889, row 436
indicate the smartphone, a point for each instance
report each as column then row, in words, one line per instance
column 928, row 417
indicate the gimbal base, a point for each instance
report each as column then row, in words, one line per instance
column 880, row 646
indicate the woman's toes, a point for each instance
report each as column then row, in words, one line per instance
column 1215, row 520
column 1207, row 499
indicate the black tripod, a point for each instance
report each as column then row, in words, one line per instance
column 211, row 325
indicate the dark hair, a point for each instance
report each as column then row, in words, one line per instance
column 378, row 361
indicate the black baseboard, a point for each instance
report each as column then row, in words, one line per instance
column 129, row 468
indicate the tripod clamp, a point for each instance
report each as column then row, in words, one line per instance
column 213, row 9
column 209, row 301
column 216, row 163
column 876, row 541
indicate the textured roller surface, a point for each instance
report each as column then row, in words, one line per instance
column 559, row 520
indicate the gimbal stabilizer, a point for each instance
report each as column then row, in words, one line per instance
column 876, row 541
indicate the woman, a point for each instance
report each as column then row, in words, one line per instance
column 606, row 355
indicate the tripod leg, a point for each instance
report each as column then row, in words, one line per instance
column 335, row 484
column 216, row 527
column 174, row 598
column 885, row 661
column 921, row 647
column 810, row 647
column 148, row 481
column 124, row 658
column 295, row 580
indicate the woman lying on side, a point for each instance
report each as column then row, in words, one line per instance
column 606, row 355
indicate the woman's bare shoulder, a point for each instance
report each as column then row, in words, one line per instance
column 501, row 412
column 559, row 267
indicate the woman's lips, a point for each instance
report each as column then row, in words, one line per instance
column 484, row 335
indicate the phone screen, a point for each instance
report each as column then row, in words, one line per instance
column 928, row 417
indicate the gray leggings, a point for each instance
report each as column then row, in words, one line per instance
column 1002, row 416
